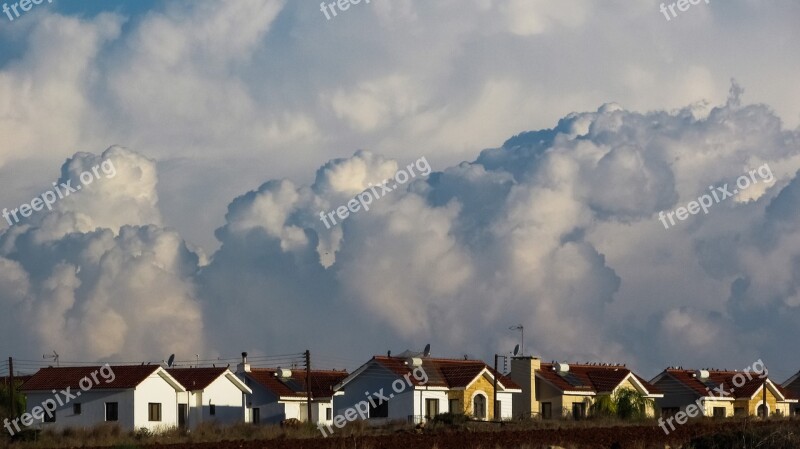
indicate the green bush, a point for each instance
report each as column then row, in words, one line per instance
column 451, row 419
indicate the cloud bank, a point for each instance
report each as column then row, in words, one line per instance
column 556, row 229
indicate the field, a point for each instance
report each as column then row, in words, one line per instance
column 740, row 434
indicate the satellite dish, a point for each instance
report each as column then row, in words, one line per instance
column 171, row 360
column 427, row 351
column 516, row 349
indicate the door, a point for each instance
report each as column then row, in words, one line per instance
column 183, row 412
column 256, row 415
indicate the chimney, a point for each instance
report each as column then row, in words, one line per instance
column 243, row 367
column 523, row 372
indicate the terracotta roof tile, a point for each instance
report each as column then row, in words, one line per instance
column 322, row 382
column 196, row 378
column 450, row 373
column 125, row 377
column 717, row 378
column 591, row 378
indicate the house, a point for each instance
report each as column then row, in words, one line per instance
column 134, row 397
column 555, row 390
column 720, row 393
column 279, row 394
column 792, row 386
column 419, row 388
column 212, row 395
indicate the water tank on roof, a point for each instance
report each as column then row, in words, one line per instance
column 283, row 373
column 562, row 367
column 702, row 374
column 414, row 362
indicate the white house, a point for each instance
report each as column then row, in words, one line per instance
column 212, row 395
column 419, row 388
column 280, row 394
column 134, row 397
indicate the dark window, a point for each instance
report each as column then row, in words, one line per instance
column 666, row 412
column 76, row 409
column 739, row 412
column 454, row 407
column 112, row 411
column 49, row 416
column 719, row 412
column 431, row 408
column 578, row 410
column 797, row 410
column 212, row 409
column 547, row 410
column 381, row 411
column 328, row 413
column 154, row 411
column 256, row 415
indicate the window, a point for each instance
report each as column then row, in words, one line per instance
column 797, row 410
column 431, row 408
column 153, row 411
column 212, row 409
column 112, row 411
column 76, row 409
column 666, row 412
column 49, row 416
column 381, row 411
column 547, row 410
column 578, row 411
column 454, row 406
column 256, row 415
column 739, row 412
column 719, row 412
column 479, row 406
column 328, row 413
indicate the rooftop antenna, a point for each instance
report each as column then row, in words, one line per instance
column 427, row 352
column 53, row 357
column 170, row 361
column 516, row 350
column 521, row 330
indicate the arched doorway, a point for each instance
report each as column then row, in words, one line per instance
column 479, row 406
column 762, row 411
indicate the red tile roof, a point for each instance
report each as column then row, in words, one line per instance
column 450, row 373
column 194, row 379
column 125, row 377
column 322, row 382
column 717, row 378
column 590, row 378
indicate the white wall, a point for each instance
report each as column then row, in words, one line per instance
column 224, row 395
column 155, row 389
column 506, row 404
column 92, row 408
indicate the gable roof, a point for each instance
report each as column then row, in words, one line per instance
column 125, row 377
column 593, row 379
column 194, row 379
column 710, row 387
column 443, row 373
column 322, row 382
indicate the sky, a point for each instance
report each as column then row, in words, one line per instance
column 557, row 147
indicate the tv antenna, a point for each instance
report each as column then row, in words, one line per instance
column 53, row 357
column 170, row 361
column 427, row 352
column 521, row 329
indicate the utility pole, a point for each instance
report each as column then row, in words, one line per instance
column 308, row 385
column 494, row 406
column 764, row 399
column 13, row 389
